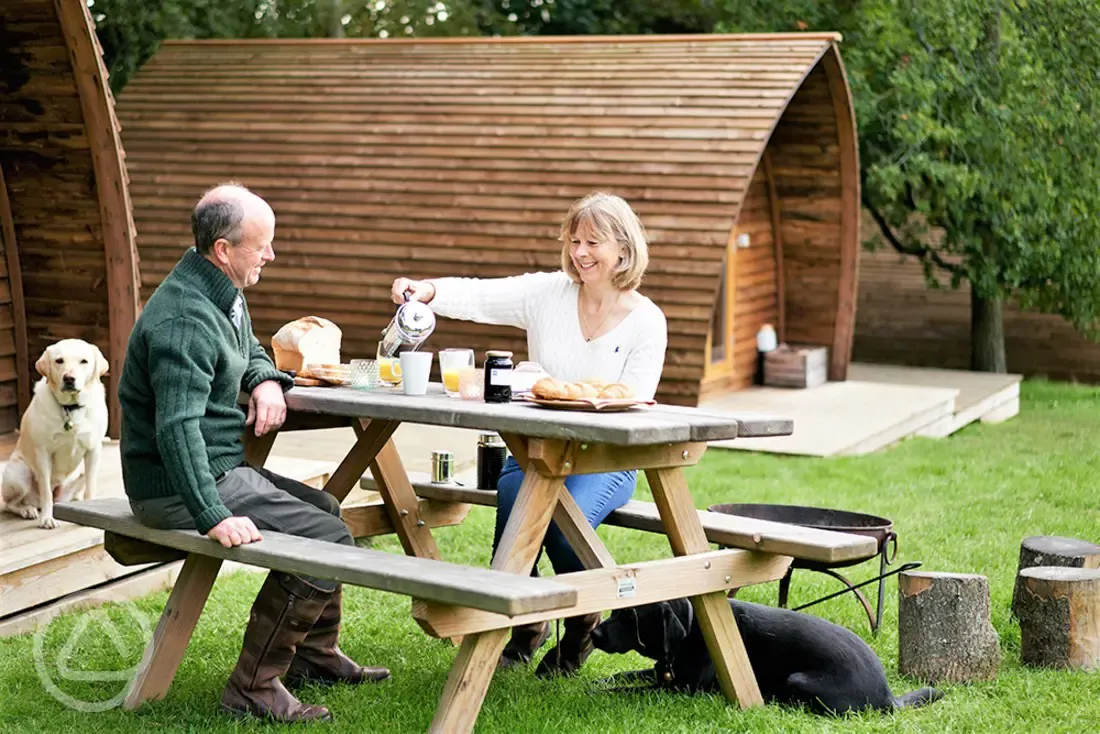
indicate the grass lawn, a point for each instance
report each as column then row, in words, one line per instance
column 960, row 504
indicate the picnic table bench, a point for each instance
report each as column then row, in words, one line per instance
column 449, row 600
column 422, row 578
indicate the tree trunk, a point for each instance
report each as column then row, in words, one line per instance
column 1053, row 550
column 1060, row 617
column 944, row 632
column 336, row 12
column 987, row 334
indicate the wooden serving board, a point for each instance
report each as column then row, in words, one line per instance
column 591, row 405
column 310, row 382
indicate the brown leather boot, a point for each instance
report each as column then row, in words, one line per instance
column 282, row 615
column 318, row 659
column 525, row 640
column 567, row 657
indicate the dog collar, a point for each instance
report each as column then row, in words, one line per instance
column 68, row 425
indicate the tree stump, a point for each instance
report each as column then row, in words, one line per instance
column 944, row 632
column 1053, row 550
column 1060, row 617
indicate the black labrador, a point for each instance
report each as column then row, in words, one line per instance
column 798, row 659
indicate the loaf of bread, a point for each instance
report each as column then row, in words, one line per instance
column 549, row 388
column 308, row 340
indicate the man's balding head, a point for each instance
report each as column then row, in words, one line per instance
column 234, row 230
column 222, row 212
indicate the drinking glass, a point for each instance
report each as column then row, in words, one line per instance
column 365, row 373
column 451, row 364
column 471, row 383
column 389, row 370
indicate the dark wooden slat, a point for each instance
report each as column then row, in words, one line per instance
column 423, row 578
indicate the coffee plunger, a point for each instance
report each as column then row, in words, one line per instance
column 411, row 326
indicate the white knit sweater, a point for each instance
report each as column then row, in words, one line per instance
column 545, row 306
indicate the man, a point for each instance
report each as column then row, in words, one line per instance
column 191, row 352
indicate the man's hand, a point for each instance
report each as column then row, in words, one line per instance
column 266, row 407
column 235, row 531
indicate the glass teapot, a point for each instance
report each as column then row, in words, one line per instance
column 411, row 326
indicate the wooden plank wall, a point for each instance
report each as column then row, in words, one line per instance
column 806, row 169
column 51, row 187
column 755, row 298
column 901, row 321
column 459, row 157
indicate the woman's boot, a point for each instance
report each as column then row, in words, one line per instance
column 567, row 657
column 282, row 615
column 319, row 659
column 526, row 640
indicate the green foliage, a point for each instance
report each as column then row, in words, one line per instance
column 978, row 136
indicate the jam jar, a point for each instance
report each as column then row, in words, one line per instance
column 498, row 376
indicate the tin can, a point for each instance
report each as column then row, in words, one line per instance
column 491, row 454
column 498, row 376
column 443, row 467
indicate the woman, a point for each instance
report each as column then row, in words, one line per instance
column 587, row 321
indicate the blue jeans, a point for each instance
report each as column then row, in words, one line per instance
column 596, row 494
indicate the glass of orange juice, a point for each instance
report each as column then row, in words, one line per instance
column 389, row 370
column 451, row 363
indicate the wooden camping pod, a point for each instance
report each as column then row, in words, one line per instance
column 461, row 156
column 69, row 268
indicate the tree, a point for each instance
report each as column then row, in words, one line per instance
column 978, row 145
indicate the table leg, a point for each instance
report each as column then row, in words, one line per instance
column 373, row 435
column 257, row 448
column 477, row 658
column 685, row 534
column 402, row 504
column 165, row 651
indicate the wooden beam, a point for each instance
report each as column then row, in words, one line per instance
column 18, row 305
column 373, row 435
column 177, row 622
column 848, row 279
column 581, row 535
column 477, row 659
column 370, row 519
column 112, row 188
column 563, row 458
column 402, row 505
column 765, row 536
column 777, row 239
column 624, row 586
column 685, row 535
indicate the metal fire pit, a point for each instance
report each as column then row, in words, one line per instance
column 842, row 521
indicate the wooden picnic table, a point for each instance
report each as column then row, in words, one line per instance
column 551, row 445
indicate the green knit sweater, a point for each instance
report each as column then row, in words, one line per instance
column 185, row 366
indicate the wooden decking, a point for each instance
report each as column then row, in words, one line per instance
column 876, row 407
column 43, row 571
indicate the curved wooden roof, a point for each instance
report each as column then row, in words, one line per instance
column 70, row 263
column 460, row 157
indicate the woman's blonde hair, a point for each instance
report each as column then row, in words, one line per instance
column 610, row 218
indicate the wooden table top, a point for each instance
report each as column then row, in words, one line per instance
column 655, row 424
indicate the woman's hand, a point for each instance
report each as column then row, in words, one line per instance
column 420, row 290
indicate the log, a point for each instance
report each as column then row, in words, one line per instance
column 1053, row 550
column 944, row 632
column 1060, row 617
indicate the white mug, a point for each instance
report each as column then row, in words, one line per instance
column 416, row 367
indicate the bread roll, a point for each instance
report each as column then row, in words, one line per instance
column 308, row 340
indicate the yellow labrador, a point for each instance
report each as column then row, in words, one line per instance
column 64, row 425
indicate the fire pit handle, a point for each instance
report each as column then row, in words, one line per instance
column 891, row 537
